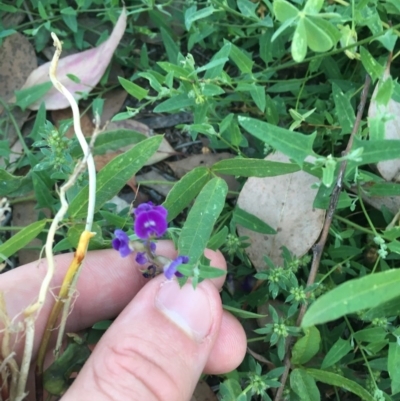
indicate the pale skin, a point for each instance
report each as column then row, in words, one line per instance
column 150, row 352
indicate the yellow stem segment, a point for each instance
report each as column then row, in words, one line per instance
column 62, row 296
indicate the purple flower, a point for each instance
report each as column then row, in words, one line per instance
column 141, row 258
column 150, row 221
column 121, row 243
column 172, row 268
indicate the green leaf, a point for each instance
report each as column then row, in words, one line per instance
column 112, row 178
column 387, row 309
column 247, row 8
column 371, row 335
column 339, row 381
column 185, row 190
column 177, row 70
column 201, row 219
column 253, row 167
column 171, row 47
column 344, row 109
column 8, row 182
column 26, row 97
column 292, row 144
column 251, row 222
column 213, row 64
column 313, row 6
column 385, row 91
column 244, row 62
column 176, row 102
column 218, row 239
column 42, row 187
column 258, row 95
column 375, row 151
column 306, row 347
column 133, row 89
column 21, row 239
column 394, row 367
column 304, row 385
column 371, row 65
column 318, row 38
column 283, row 10
column 7, row 32
column 75, row 231
column 210, row 272
column 353, row 296
column 115, row 140
column 242, row 314
column 340, row 349
column 299, row 42
column 230, row 389
column 191, row 17
column 223, row 54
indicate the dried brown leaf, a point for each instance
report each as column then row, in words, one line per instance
column 203, row 392
column 286, row 204
column 181, row 167
column 154, row 176
column 89, row 66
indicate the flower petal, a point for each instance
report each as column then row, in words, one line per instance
column 141, row 258
column 89, row 66
column 121, row 243
column 150, row 224
column 172, row 268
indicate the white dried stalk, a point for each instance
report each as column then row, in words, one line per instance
column 31, row 310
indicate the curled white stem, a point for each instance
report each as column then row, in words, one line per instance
column 44, row 289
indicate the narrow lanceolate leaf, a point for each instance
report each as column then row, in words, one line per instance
column 248, row 220
column 253, row 168
column 344, row 110
column 339, row 381
column 292, row 144
column 89, row 66
column 134, row 90
column 338, row 350
column 185, row 190
column 201, row 219
column 114, row 176
column 376, row 151
column 353, row 296
column 21, row 239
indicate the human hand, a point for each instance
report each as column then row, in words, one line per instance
column 162, row 339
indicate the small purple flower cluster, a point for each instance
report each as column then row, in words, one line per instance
column 150, row 223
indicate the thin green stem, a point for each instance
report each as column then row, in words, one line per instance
column 365, row 210
column 361, row 350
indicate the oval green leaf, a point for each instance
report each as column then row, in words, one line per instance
column 299, row 42
column 306, row 347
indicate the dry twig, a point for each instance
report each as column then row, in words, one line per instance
column 319, row 246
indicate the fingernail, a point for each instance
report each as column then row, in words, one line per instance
column 188, row 308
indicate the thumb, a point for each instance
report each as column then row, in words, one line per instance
column 156, row 349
